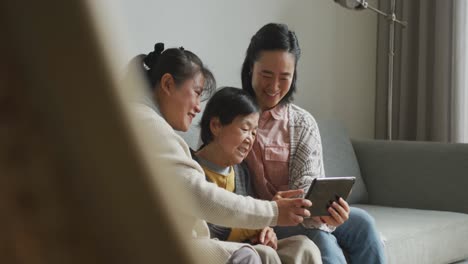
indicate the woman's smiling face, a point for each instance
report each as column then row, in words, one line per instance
column 272, row 75
column 185, row 102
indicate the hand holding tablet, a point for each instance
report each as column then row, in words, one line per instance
column 324, row 191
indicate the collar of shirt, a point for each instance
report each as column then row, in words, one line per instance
column 278, row 112
column 225, row 171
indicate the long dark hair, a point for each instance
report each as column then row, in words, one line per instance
column 182, row 64
column 226, row 104
column 269, row 38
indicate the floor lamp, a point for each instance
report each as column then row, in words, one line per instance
column 391, row 17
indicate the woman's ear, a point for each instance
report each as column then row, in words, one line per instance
column 215, row 126
column 167, row 84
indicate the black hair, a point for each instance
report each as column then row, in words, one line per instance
column 182, row 64
column 226, row 104
column 270, row 37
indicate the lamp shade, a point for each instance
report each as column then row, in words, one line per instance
column 350, row 4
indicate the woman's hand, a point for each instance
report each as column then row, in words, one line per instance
column 290, row 210
column 339, row 213
column 287, row 194
column 266, row 237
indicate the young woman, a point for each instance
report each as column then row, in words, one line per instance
column 178, row 79
column 287, row 153
column 228, row 128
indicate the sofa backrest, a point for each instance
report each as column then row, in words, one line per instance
column 339, row 157
column 415, row 174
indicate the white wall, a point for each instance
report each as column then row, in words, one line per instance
column 337, row 68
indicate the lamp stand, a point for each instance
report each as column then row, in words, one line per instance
column 391, row 17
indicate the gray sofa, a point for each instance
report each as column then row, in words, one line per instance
column 417, row 192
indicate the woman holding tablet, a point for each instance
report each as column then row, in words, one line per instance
column 287, row 153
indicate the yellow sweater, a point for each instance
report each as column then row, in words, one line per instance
column 227, row 182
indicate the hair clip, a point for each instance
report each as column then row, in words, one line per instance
column 159, row 47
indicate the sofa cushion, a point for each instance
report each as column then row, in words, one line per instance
column 421, row 236
column 339, row 158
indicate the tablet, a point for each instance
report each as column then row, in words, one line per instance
column 324, row 191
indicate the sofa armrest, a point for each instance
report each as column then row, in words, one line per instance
column 422, row 175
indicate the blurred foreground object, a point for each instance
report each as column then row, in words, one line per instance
column 76, row 186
